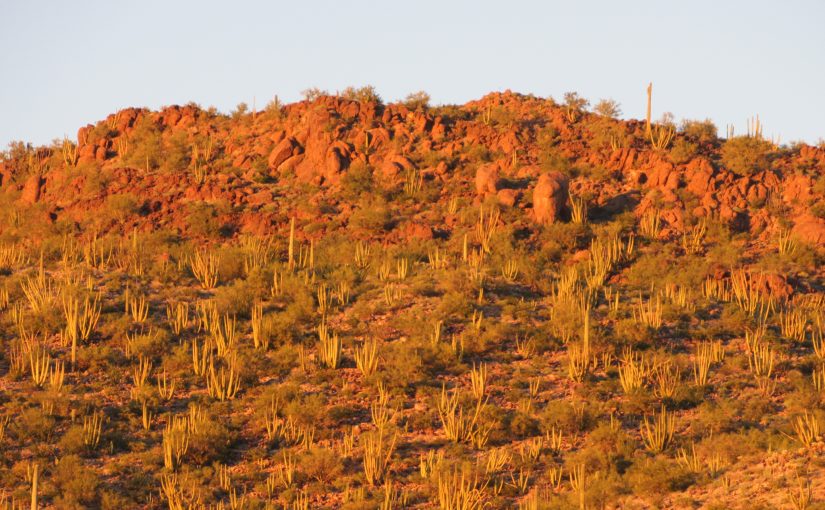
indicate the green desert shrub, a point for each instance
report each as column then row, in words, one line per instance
column 357, row 181
column 34, row 424
column 121, row 205
column 654, row 478
column 683, row 150
column 417, row 100
column 209, row 443
column 77, row 484
column 202, row 220
column 702, row 131
column 322, row 465
column 372, row 215
column 365, row 94
column 608, row 108
column 746, row 155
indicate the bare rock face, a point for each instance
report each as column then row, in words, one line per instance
column 699, row 176
column 326, row 155
column 487, row 179
column 810, row 229
column 389, row 170
column 775, row 285
column 319, row 141
column 31, row 189
column 83, row 135
column 393, row 167
column 798, row 189
column 287, row 148
column 507, row 197
column 335, row 163
column 550, row 197
column 416, row 230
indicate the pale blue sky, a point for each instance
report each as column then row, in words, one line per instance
column 68, row 63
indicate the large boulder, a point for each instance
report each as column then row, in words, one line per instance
column 335, row 163
column 31, row 189
column 487, row 179
column 507, row 197
column 393, row 167
column 550, row 197
column 287, row 148
column 810, row 229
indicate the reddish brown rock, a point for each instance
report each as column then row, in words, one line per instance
column 528, row 171
column 393, row 166
column 318, row 141
column 810, row 229
column 757, row 194
column 508, row 142
column 698, row 176
column 307, row 174
column 416, row 230
column 774, row 285
column 389, row 170
column 487, row 179
column 622, row 159
column 439, row 130
column 83, row 135
column 441, row 169
column 798, row 188
column 32, row 189
column 335, row 163
column 813, row 156
column 290, row 164
column 663, row 176
column 550, row 197
column 170, row 115
column 241, row 161
column 673, row 221
column 421, row 122
column 256, row 224
column 126, row 119
column 507, row 197
column 287, row 148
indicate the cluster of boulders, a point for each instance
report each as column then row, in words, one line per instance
column 319, row 141
column 549, row 197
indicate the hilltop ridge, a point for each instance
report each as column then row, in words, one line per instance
column 257, row 161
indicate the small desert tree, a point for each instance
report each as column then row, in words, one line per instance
column 417, row 100
column 608, row 108
column 574, row 104
column 313, row 93
column 365, row 94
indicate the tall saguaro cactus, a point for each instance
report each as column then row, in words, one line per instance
column 647, row 117
column 34, row 487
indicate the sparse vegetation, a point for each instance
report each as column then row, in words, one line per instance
column 331, row 315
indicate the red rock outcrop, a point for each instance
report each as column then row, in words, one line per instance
column 317, row 142
column 31, row 189
column 487, row 179
column 550, row 197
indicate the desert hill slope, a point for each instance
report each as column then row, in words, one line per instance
column 341, row 303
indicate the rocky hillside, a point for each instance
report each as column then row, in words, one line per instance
column 145, row 169
column 344, row 304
